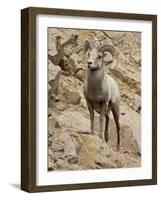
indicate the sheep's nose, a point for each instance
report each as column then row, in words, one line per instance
column 89, row 63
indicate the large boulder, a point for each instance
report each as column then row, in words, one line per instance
column 76, row 121
column 70, row 90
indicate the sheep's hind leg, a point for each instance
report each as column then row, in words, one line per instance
column 106, row 128
column 115, row 112
column 102, row 117
column 91, row 112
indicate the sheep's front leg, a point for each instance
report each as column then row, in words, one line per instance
column 91, row 112
column 102, row 119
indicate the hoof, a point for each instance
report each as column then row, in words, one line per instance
column 103, row 139
column 107, row 139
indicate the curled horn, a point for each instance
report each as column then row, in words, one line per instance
column 112, row 50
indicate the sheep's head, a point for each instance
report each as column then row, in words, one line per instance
column 95, row 59
column 96, row 55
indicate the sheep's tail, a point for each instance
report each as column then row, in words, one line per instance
column 112, row 50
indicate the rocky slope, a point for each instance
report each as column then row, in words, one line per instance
column 70, row 145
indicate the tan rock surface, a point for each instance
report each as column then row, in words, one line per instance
column 70, row 144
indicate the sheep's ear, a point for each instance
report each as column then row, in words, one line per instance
column 104, row 54
column 86, row 46
column 100, row 54
column 89, row 45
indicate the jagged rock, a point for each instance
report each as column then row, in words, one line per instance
column 57, row 155
column 60, row 106
column 92, row 155
column 80, row 74
column 54, row 123
column 67, row 51
column 51, row 164
column 58, row 147
column 62, row 48
column 72, row 159
column 61, row 164
column 73, row 63
column 104, row 162
column 70, row 90
column 54, row 72
column 128, row 141
column 136, row 56
column 73, row 97
column 76, row 121
column 64, row 147
column 75, row 167
column 70, row 149
column 83, row 103
column 49, row 91
column 88, row 152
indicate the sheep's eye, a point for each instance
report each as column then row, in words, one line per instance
column 99, row 56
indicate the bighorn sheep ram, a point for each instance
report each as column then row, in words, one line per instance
column 101, row 90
